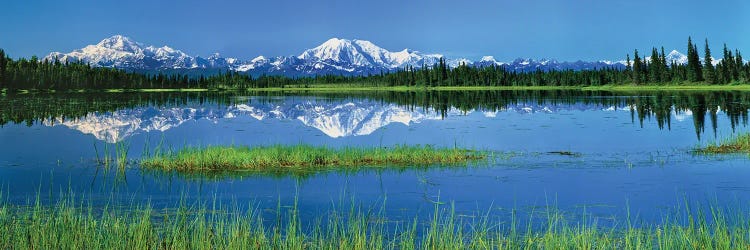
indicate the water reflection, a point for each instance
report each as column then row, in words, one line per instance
column 116, row 117
column 627, row 150
column 335, row 119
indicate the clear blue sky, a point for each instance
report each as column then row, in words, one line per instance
column 565, row 30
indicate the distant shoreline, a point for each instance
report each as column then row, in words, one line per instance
column 350, row 88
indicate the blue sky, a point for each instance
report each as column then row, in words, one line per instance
column 565, row 30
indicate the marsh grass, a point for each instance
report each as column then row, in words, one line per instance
column 736, row 144
column 113, row 154
column 291, row 158
column 73, row 224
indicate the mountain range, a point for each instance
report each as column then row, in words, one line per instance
column 334, row 56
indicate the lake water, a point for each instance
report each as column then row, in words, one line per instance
column 622, row 151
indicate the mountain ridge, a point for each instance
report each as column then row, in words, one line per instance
column 334, row 56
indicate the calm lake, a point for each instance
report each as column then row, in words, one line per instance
column 602, row 153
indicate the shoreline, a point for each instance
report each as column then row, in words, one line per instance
column 346, row 88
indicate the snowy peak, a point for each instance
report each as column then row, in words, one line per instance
column 530, row 65
column 377, row 55
column 336, row 50
column 259, row 59
column 349, row 54
column 120, row 43
column 343, row 51
column 677, row 57
column 488, row 59
column 673, row 56
column 122, row 52
column 166, row 53
column 116, row 51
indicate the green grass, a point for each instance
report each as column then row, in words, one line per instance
column 290, row 158
column 71, row 224
column 736, row 144
column 670, row 87
column 117, row 156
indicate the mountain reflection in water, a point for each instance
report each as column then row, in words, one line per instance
column 116, row 117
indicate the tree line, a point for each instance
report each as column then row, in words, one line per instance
column 731, row 69
column 56, row 75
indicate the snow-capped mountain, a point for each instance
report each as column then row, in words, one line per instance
column 528, row 65
column 334, row 56
column 359, row 53
column 487, row 61
column 677, row 57
column 673, row 56
column 121, row 52
column 350, row 57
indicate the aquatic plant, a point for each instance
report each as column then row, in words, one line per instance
column 72, row 224
column 736, row 144
column 113, row 154
column 300, row 157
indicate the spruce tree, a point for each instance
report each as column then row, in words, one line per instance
column 708, row 67
column 636, row 68
column 694, row 68
column 655, row 66
column 443, row 71
column 628, row 66
column 697, row 67
column 426, row 75
column 690, row 74
column 727, row 64
column 737, row 65
column 744, row 69
column 2, row 68
column 664, row 70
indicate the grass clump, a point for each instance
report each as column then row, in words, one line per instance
column 736, row 144
column 71, row 224
column 301, row 157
